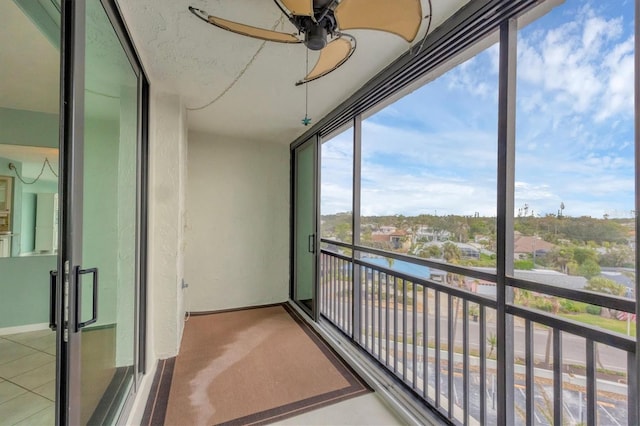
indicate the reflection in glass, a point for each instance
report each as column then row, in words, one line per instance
column 109, row 220
column 29, row 102
column 336, row 192
column 29, row 220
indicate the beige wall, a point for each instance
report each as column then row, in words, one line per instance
column 167, row 183
column 237, row 237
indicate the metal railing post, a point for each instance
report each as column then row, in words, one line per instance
column 355, row 225
column 505, row 209
column 634, row 365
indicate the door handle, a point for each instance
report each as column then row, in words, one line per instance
column 312, row 243
column 53, row 278
column 94, row 314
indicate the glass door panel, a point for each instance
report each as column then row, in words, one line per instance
column 305, row 244
column 109, row 198
column 29, row 137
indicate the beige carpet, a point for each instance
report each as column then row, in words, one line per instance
column 250, row 367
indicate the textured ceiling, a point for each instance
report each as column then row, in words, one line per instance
column 255, row 87
column 29, row 64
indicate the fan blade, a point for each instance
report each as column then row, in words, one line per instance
column 400, row 17
column 254, row 32
column 331, row 57
column 299, row 7
column 246, row 30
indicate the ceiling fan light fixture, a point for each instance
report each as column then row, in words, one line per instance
column 316, row 37
column 316, row 20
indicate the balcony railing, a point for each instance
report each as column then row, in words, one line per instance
column 440, row 340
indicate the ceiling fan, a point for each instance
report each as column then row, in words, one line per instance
column 320, row 25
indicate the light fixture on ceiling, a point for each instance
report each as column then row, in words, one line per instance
column 320, row 25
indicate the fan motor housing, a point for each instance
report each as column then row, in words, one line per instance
column 315, row 38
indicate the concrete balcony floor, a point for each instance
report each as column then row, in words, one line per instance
column 363, row 410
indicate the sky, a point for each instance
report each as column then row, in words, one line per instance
column 435, row 150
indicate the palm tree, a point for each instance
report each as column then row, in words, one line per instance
column 547, row 353
column 390, row 262
column 450, row 252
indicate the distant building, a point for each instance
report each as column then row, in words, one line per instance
column 525, row 246
column 399, row 240
column 427, row 233
column 467, row 251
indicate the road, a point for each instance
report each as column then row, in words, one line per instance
column 573, row 347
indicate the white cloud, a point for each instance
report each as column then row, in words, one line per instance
column 619, row 97
column 410, row 171
column 336, row 174
column 436, row 150
column 571, row 65
column 385, row 192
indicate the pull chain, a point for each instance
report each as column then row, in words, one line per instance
column 306, row 120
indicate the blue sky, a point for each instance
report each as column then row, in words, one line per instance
column 434, row 151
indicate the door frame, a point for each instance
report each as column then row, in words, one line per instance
column 70, row 214
column 70, row 188
column 314, row 312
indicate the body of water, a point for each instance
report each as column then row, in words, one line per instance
column 400, row 266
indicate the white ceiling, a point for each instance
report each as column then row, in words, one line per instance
column 185, row 55
column 30, row 64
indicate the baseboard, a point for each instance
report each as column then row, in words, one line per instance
column 23, row 328
column 221, row 311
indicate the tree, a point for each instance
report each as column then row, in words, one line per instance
column 492, row 340
column 451, row 252
column 616, row 256
column 606, row 286
column 432, row 251
column 521, row 296
column 589, row 269
column 560, row 257
column 390, row 261
column 343, row 231
column 582, row 254
column 555, row 308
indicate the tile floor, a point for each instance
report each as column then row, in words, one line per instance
column 27, row 378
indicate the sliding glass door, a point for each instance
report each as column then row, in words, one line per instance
column 305, row 241
column 108, row 221
column 29, row 170
column 101, row 220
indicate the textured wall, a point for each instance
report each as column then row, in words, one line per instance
column 21, row 127
column 167, row 175
column 238, row 223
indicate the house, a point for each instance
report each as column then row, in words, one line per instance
column 397, row 239
column 188, row 143
column 524, row 246
column 429, row 234
column 467, row 251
